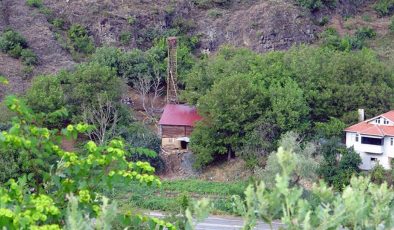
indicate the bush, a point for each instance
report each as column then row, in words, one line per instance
column 332, row 39
column 141, row 136
column 87, row 83
column 34, row 3
column 365, row 33
column 378, row 174
column 12, row 42
column 110, row 57
column 384, row 7
column 206, row 4
column 16, row 52
column 81, row 42
column 125, row 38
column 333, row 128
column 391, row 27
column 339, row 164
column 45, row 94
column 58, row 23
column 29, row 57
column 311, row 4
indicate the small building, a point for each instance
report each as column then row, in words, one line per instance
column 373, row 139
column 176, row 124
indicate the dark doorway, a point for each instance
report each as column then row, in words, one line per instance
column 184, row 145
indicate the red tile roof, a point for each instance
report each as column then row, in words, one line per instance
column 183, row 115
column 374, row 129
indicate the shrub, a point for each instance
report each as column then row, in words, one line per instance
column 206, row 4
column 339, row 164
column 365, row 33
column 384, row 7
column 213, row 13
column 378, row 174
column 125, row 38
column 29, row 57
column 323, row 21
column 312, row 5
column 80, row 39
column 361, row 205
column 45, row 94
column 34, row 3
column 334, row 127
column 131, row 20
column 332, row 39
column 58, row 23
column 391, row 27
column 27, row 71
column 15, row 52
column 12, row 42
column 87, row 83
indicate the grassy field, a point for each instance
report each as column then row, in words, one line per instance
column 170, row 195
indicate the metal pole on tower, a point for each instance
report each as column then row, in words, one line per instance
column 172, row 87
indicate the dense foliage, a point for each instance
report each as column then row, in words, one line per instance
column 136, row 64
column 384, row 7
column 14, row 44
column 38, row 199
column 74, row 90
column 80, row 40
column 361, row 205
column 306, row 161
column 281, row 91
column 339, row 164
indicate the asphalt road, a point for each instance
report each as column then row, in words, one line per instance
column 225, row 223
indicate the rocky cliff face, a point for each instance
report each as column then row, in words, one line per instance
column 261, row 25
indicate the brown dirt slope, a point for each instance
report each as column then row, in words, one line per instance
column 34, row 27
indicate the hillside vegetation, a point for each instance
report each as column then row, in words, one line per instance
column 82, row 87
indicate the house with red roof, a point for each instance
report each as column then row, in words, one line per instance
column 176, row 125
column 373, row 139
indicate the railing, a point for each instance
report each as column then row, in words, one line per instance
column 377, row 149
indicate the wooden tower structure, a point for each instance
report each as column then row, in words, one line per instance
column 172, row 87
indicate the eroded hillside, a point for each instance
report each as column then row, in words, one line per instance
column 261, row 25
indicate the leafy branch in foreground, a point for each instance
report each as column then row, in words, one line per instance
column 41, row 197
column 361, row 205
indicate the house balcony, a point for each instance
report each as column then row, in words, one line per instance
column 375, row 149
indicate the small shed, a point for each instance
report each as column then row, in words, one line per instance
column 176, row 124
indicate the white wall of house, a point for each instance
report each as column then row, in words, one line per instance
column 381, row 121
column 371, row 154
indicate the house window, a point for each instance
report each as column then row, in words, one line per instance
column 378, row 121
column 373, row 159
column 391, row 141
column 385, row 121
column 371, row 141
column 357, row 137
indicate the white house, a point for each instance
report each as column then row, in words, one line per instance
column 373, row 139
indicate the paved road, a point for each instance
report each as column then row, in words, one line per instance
column 224, row 223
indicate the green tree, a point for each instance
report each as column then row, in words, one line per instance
column 306, row 161
column 288, row 107
column 87, row 83
column 332, row 128
column 40, row 201
column 226, row 115
column 45, row 94
column 339, row 163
